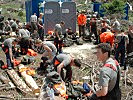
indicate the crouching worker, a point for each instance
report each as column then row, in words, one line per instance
column 50, row 49
column 7, row 48
column 65, row 61
column 109, row 75
column 70, row 34
column 24, row 45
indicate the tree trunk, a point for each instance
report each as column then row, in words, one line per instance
column 30, row 81
column 6, row 80
column 18, row 81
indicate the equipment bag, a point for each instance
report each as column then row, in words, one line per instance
column 79, row 42
column 72, row 93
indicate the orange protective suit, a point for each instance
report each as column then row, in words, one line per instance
column 107, row 37
column 82, row 19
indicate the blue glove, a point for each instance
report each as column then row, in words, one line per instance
column 93, row 97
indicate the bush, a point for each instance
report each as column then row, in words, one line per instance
column 114, row 7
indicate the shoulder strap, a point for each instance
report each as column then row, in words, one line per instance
column 112, row 67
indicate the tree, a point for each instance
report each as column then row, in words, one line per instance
column 114, row 7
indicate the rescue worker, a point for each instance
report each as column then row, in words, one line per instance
column 122, row 40
column 58, row 40
column 130, row 35
column 15, row 25
column 116, row 26
column 109, row 75
column 24, row 35
column 107, row 20
column 70, row 34
column 93, row 28
column 7, row 28
column 107, row 37
column 104, row 26
column 40, row 27
column 88, row 22
column 82, row 20
column 50, row 49
column 65, row 61
column 7, row 48
column 33, row 20
column 23, row 32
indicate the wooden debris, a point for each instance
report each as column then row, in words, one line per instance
column 129, row 81
column 29, row 80
column 6, row 97
column 18, row 81
column 6, row 80
column 3, row 85
column 130, row 92
column 7, row 88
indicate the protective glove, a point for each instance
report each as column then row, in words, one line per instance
column 93, row 97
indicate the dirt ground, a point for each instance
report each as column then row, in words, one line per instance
column 83, row 52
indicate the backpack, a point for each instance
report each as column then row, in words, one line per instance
column 72, row 93
column 54, row 77
column 27, row 60
column 67, row 42
column 79, row 42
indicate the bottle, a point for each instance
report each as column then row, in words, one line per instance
column 50, row 92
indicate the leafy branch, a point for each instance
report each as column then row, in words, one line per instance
column 114, row 7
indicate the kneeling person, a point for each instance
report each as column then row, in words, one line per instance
column 65, row 61
column 50, row 49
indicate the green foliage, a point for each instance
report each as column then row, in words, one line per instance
column 114, row 7
column 83, row 7
column 20, row 13
column 130, row 16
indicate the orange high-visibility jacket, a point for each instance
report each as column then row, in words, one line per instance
column 107, row 37
column 82, row 19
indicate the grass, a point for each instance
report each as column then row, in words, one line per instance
column 13, row 5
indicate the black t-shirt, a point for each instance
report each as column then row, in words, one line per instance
column 93, row 25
